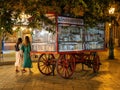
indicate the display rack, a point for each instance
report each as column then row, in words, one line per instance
column 70, row 35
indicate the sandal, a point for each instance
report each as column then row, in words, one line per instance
column 17, row 71
column 24, row 71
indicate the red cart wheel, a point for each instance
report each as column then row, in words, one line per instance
column 44, row 64
column 96, row 63
column 65, row 65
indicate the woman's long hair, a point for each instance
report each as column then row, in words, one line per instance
column 27, row 41
column 19, row 41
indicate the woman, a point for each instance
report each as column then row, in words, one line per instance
column 26, row 48
column 18, row 54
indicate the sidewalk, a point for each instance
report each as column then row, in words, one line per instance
column 9, row 58
column 108, row 77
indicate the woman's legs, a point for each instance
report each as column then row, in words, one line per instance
column 16, row 69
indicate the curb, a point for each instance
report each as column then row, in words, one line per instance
column 12, row 62
column 7, row 63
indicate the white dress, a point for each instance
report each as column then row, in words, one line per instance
column 18, row 61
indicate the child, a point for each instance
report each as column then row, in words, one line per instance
column 18, row 54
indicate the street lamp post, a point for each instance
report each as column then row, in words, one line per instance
column 111, row 44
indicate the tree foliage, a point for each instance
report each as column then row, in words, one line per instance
column 91, row 11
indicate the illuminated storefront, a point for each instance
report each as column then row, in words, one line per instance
column 19, row 30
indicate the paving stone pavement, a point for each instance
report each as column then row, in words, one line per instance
column 108, row 77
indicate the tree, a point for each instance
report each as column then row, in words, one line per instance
column 92, row 11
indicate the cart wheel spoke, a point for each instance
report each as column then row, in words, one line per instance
column 44, row 64
column 96, row 63
column 66, row 66
column 43, row 67
column 67, row 72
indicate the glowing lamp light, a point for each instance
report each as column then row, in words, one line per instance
column 109, row 24
column 30, row 29
column 111, row 10
column 14, row 28
column 22, row 28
